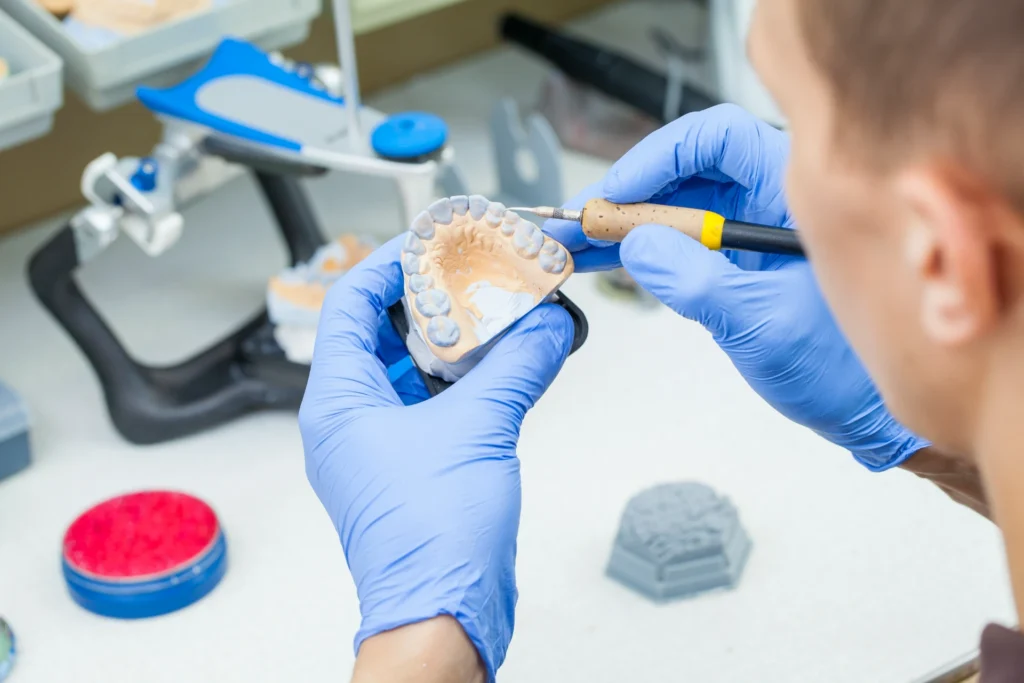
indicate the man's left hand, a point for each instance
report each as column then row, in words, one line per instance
column 424, row 493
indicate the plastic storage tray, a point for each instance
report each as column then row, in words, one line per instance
column 32, row 91
column 107, row 77
column 14, row 446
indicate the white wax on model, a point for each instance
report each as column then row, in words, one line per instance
column 499, row 307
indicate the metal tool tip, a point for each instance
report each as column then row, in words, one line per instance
column 552, row 212
column 541, row 211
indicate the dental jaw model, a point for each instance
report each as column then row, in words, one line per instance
column 472, row 269
column 296, row 295
column 58, row 8
column 130, row 17
column 96, row 24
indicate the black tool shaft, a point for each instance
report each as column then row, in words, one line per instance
column 752, row 237
column 613, row 74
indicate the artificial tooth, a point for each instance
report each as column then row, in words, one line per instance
column 552, row 263
column 495, row 212
column 423, row 225
column 442, row 331
column 477, row 206
column 413, row 244
column 433, row 302
column 550, row 247
column 528, row 239
column 419, row 283
column 410, row 264
column 441, row 211
column 460, row 204
column 509, row 222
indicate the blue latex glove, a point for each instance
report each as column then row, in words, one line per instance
column 765, row 311
column 425, row 494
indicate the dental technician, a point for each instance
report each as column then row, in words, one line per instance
column 903, row 171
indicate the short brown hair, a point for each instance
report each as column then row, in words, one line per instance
column 927, row 77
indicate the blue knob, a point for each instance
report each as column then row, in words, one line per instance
column 144, row 178
column 407, row 136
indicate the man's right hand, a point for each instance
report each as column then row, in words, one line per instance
column 765, row 311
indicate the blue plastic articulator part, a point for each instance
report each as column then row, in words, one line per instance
column 243, row 92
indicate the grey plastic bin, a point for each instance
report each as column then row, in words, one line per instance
column 14, row 446
column 32, row 91
column 107, row 77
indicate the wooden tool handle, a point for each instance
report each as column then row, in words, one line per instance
column 603, row 220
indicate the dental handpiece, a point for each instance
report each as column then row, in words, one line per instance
column 604, row 220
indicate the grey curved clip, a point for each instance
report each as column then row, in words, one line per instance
column 539, row 140
column 677, row 57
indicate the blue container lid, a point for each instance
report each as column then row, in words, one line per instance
column 409, row 135
column 138, row 600
column 144, row 554
column 7, row 650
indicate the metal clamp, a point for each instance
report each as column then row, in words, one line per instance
column 134, row 196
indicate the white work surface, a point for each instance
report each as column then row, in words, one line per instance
column 853, row 578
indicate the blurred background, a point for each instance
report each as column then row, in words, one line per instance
column 181, row 181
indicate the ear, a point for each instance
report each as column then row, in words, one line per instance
column 950, row 249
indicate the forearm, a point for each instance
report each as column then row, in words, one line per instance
column 959, row 479
column 432, row 651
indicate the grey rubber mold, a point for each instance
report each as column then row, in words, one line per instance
column 32, row 91
column 166, row 55
column 15, row 454
column 679, row 540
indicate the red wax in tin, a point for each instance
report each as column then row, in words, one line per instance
column 140, row 535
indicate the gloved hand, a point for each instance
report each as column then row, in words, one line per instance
column 425, row 494
column 765, row 311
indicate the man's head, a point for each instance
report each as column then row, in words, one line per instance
column 907, row 180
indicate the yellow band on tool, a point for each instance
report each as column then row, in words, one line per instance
column 711, row 233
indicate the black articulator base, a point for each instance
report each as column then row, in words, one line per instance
column 242, row 373
column 435, row 385
column 245, row 372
